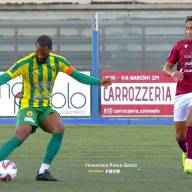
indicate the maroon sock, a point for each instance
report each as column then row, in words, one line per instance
column 182, row 144
column 189, row 142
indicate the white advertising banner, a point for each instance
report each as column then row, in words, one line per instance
column 138, row 94
column 70, row 98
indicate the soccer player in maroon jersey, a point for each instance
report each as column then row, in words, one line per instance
column 181, row 56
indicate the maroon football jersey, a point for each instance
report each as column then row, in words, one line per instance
column 181, row 54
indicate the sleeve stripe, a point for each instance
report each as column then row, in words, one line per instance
column 70, row 70
column 9, row 73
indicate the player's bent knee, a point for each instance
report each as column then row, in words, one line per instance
column 180, row 136
column 22, row 132
column 59, row 128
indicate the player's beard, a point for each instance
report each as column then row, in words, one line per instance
column 41, row 61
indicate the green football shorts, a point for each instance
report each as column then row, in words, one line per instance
column 33, row 116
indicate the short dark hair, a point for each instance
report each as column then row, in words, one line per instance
column 188, row 18
column 44, row 41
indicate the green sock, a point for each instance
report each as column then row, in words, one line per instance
column 7, row 148
column 53, row 147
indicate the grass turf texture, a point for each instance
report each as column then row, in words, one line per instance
column 152, row 148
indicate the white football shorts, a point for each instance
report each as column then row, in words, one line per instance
column 181, row 106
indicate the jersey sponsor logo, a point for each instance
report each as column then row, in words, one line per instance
column 189, row 56
column 29, row 119
column 43, row 85
column 43, row 90
column 185, row 46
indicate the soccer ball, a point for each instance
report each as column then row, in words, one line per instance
column 8, row 170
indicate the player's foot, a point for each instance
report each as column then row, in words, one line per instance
column 188, row 166
column 46, row 176
column 184, row 157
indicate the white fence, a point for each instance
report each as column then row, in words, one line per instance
column 70, row 99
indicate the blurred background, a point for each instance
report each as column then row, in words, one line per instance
column 133, row 35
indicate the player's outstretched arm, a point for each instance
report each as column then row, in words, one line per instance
column 89, row 80
column 4, row 78
column 176, row 75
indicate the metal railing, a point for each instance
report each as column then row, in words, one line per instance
column 128, row 41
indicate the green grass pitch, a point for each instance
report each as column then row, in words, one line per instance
column 152, row 148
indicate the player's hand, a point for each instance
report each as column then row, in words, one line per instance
column 106, row 82
column 177, row 75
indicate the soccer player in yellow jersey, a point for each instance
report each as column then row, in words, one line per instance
column 39, row 70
